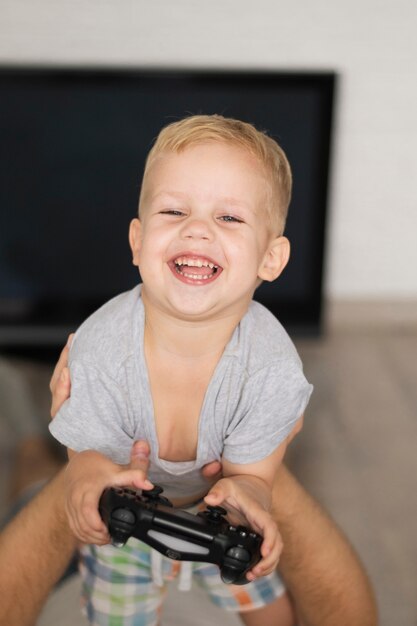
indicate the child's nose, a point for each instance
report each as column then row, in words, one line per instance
column 197, row 229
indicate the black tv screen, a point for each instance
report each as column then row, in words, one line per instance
column 73, row 143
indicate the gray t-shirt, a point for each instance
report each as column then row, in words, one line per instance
column 256, row 394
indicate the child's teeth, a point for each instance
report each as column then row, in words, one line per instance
column 194, row 262
column 197, row 276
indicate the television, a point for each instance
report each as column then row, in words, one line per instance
column 73, row 143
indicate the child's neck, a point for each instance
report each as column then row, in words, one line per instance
column 185, row 339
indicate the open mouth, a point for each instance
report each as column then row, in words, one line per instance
column 193, row 269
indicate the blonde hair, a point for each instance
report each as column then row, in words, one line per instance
column 197, row 129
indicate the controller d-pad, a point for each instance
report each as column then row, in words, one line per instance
column 238, row 553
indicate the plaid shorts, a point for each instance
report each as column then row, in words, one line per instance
column 119, row 587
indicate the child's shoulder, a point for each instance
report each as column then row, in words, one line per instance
column 264, row 340
column 106, row 335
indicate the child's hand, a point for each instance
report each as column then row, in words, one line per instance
column 87, row 475
column 238, row 496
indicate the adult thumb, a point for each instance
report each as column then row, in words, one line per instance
column 139, row 456
column 136, row 473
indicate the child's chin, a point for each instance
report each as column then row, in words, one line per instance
column 192, row 306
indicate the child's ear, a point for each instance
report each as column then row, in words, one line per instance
column 275, row 259
column 135, row 239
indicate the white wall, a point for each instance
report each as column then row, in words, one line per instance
column 372, row 251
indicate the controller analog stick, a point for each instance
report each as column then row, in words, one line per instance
column 230, row 575
column 125, row 516
column 155, row 492
column 239, row 553
column 215, row 513
column 153, row 496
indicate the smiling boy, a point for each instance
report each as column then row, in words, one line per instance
column 190, row 363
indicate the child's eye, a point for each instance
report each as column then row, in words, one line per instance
column 230, row 219
column 173, row 212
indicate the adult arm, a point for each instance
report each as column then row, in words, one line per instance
column 35, row 549
column 37, row 545
column 324, row 576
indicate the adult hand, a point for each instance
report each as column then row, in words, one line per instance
column 60, row 383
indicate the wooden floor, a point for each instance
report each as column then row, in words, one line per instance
column 357, row 452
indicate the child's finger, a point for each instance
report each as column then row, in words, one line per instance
column 74, row 521
column 271, row 547
column 270, row 556
column 83, row 510
column 219, row 493
column 98, row 539
column 214, row 497
column 91, row 528
column 262, row 522
column 90, row 536
column 267, row 564
column 272, row 539
column 91, row 516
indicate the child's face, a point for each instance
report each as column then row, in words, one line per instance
column 203, row 241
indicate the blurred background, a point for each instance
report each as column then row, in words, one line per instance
column 345, row 74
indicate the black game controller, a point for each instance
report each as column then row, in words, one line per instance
column 178, row 534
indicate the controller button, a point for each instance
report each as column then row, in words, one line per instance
column 253, row 535
column 238, row 553
column 232, row 529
